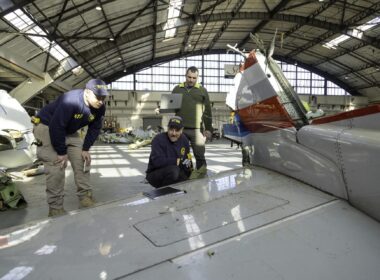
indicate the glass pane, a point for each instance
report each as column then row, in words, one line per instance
column 318, row 91
column 212, row 88
column 303, row 75
column 197, row 64
column 225, row 88
column 160, row 71
column 228, row 57
column 213, row 57
column 176, row 79
column 144, row 86
column 212, row 72
column 172, row 86
column 316, row 77
column 303, row 90
column 143, row 78
column 126, row 78
column 292, row 82
column 160, row 87
column 182, row 63
column 161, row 79
column 174, row 63
column 211, row 64
column 303, row 83
column 290, row 75
column 318, row 83
column 196, row 58
column 210, row 80
column 146, row 71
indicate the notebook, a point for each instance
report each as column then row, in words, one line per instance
column 154, row 194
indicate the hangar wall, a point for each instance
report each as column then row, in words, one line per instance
column 129, row 108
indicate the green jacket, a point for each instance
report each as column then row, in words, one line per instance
column 195, row 110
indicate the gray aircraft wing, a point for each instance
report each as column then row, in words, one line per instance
column 241, row 224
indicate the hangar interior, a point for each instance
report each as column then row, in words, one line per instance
column 50, row 47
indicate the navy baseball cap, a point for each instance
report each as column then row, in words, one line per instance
column 175, row 122
column 98, row 87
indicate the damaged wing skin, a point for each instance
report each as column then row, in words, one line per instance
column 16, row 134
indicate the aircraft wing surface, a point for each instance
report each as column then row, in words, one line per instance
column 241, row 224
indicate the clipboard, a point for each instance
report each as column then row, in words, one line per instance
column 157, row 193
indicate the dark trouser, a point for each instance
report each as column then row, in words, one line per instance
column 166, row 176
column 197, row 141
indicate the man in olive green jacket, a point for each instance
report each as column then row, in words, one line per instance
column 196, row 114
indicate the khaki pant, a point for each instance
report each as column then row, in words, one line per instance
column 55, row 175
column 198, row 142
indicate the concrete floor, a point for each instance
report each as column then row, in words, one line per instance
column 116, row 173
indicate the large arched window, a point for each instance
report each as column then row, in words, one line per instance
column 166, row 76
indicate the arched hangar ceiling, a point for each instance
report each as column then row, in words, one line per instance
column 125, row 36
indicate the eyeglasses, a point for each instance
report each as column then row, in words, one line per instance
column 100, row 97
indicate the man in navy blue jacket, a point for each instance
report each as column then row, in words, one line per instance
column 57, row 128
column 170, row 158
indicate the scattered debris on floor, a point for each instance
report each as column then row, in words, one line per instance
column 10, row 195
column 136, row 138
column 210, row 253
column 140, row 143
column 34, row 170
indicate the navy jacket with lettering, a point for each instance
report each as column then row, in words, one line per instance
column 68, row 114
column 165, row 153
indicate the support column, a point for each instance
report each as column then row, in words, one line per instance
column 30, row 87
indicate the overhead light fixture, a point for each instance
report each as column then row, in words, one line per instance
column 345, row 77
column 295, row 63
column 29, row 81
column 356, row 32
column 167, row 39
column 189, row 45
column 111, row 39
column 125, row 70
column 335, row 42
column 199, row 23
column 77, row 70
column 98, row 8
column 174, row 12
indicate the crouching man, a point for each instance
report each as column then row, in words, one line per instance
column 170, row 158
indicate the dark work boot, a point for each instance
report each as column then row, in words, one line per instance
column 56, row 212
column 86, row 200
